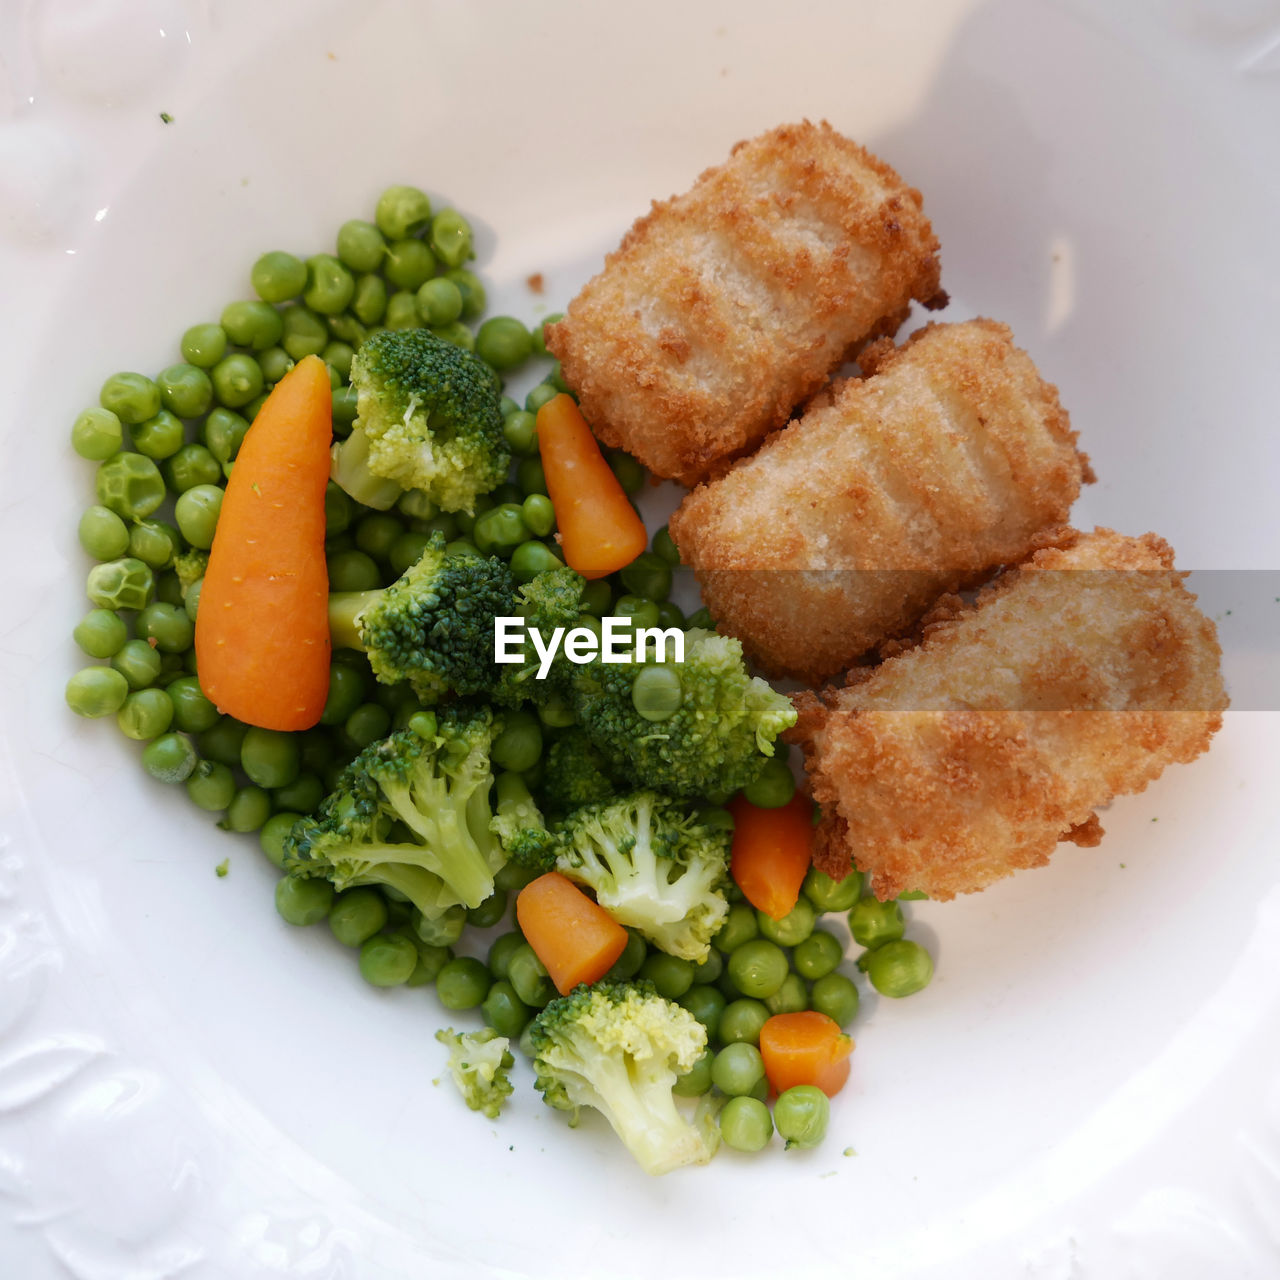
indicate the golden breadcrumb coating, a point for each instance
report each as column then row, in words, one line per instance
column 974, row 753
column 725, row 307
column 946, row 462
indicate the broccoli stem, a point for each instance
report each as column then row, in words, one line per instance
column 345, row 608
column 351, row 473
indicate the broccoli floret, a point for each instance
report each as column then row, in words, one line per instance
column 619, row 1047
column 716, row 741
column 190, row 567
column 479, row 1062
column 653, row 866
column 518, row 824
column 437, row 789
column 549, row 600
column 428, row 417
column 433, row 626
column 574, row 774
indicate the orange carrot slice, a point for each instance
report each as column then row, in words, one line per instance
column 805, row 1048
column 599, row 528
column 262, row 629
column 574, row 937
column 771, row 852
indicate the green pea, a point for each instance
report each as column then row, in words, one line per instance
column 366, row 724
column 627, row 965
column 274, row 362
column 697, row 1080
column 169, row 590
column 203, row 345
column 745, row 1124
column 302, row 795
column 132, row 397
column 669, row 974
column 254, row 407
column 817, row 955
column 740, row 926
column 347, row 327
column 772, row 787
column 836, row 996
column 501, row 950
column 791, row 997
column 555, row 711
column 792, row 928
column 304, row 333
column 338, row 356
column 192, row 711
column 451, row 237
column 191, row 465
column 504, row 1011
column 706, row 1004
column 96, row 691
column 346, row 692
column 237, row 379
column 519, row 744
column 431, row 960
column 540, row 333
column 737, row 1069
column 168, row 627
column 520, row 430
column 700, row 619
column 409, row 265
column 630, row 473
column 159, row 437
column 223, row 432
column 457, row 333
column 302, row 900
column 256, row 325
column 169, row 758
column 827, row 894
column 641, row 612
column 532, row 558
column 145, row 714
column 345, row 401
column 801, row 1114
column 357, row 915
column 657, row 693
column 102, row 533
column 439, row 302
column 275, row 831
column 250, row 807
column 138, row 662
column 130, row 485
column 269, row 757
column 899, row 968
column 407, row 550
column 126, row 583
column 528, row 977
column 360, row 246
column 402, row 310
column 196, row 512
column 369, row 302
column 531, row 479
column 596, row 598
column 472, row 289
column 463, row 983
column 100, row 633
column 489, row 912
column 387, row 960
column 539, row 515
column 402, row 211
column 539, row 396
column 665, row 549
column 442, row 930
column 648, row 575
column 223, row 741
column 503, row 343
column 502, row 528
column 330, row 286
column 211, row 786
column 276, row 277
column 874, row 923
column 96, row 434
column 185, row 390
column 758, row 968
column 742, row 1021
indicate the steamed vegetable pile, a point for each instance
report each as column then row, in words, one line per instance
column 303, row 637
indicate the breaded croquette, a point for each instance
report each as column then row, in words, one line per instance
column 725, row 307
column 946, row 462
column 1073, row 679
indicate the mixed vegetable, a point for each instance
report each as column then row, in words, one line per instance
column 301, row 632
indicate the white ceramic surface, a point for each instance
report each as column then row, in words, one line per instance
column 1090, row 1086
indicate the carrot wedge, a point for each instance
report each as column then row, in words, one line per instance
column 599, row 528
column 575, row 938
column 771, row 852
column 805, row 1048
column 262, row 628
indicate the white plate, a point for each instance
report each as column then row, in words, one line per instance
column 1089, row 1088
